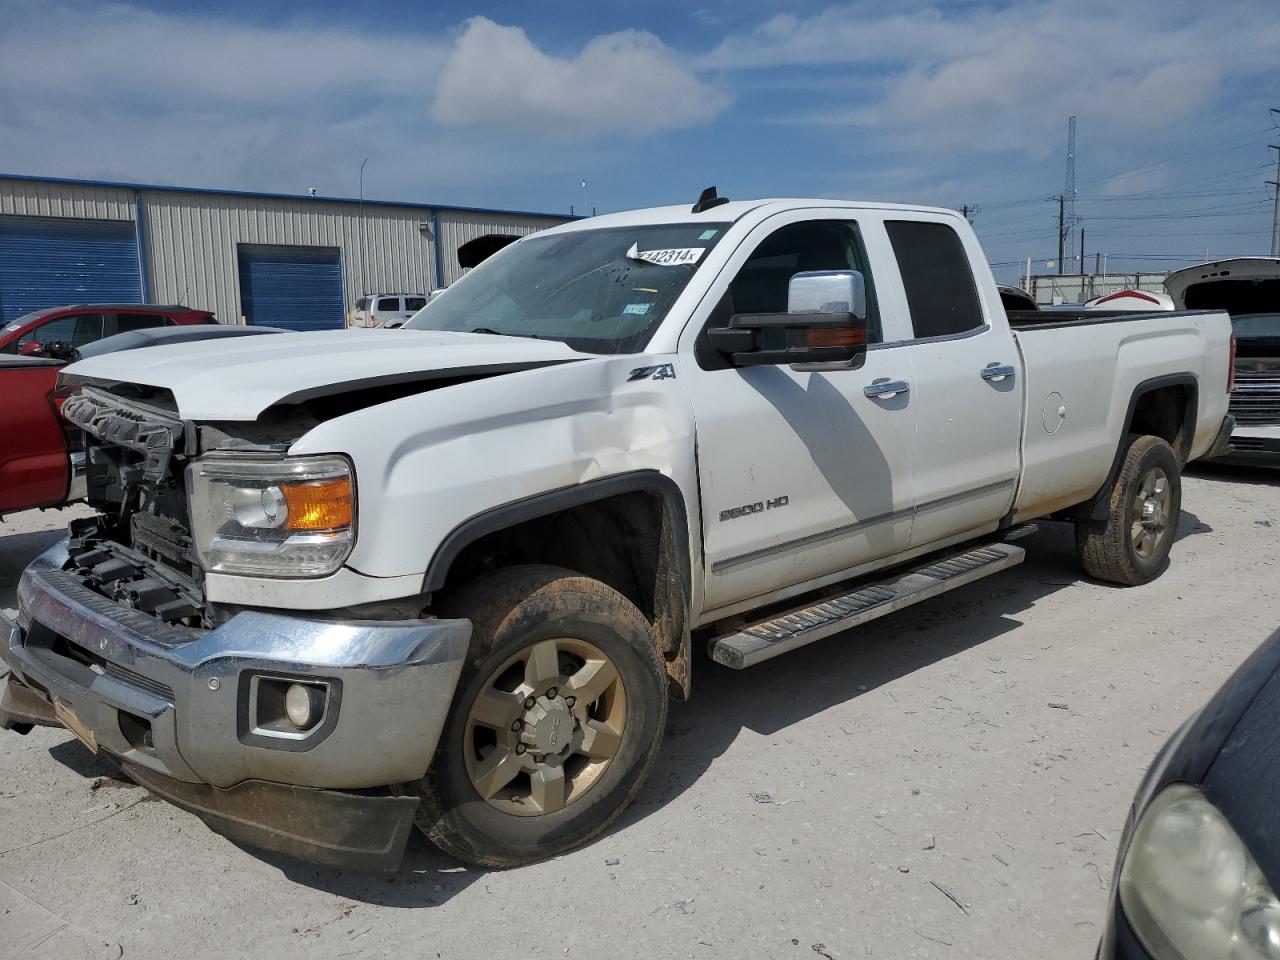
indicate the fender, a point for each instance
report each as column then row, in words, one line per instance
column 554, row 501
column 1097, row 506
column 672, row 592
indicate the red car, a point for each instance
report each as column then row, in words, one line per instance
column 73, row 327
column 41, row 455
column 35, row 471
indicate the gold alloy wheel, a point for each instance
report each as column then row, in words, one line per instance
column 544, row 727
column 1150, row 513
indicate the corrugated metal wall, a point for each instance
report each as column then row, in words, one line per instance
column 192, row 241
column 38, row 199
column 457, row 228
column 192, row 237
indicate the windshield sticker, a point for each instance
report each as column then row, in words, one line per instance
column 670, row 257
column 11, row 327
column 707, row 234
column 636, row 309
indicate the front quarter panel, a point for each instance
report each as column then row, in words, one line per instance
column 429, row 462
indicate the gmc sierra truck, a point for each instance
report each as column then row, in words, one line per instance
column 352, row 581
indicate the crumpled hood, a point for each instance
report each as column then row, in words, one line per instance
column 238, row 379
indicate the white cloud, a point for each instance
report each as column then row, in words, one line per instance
column 127, row 93
column 625, row 83
column 151, row 59
column 990, row 79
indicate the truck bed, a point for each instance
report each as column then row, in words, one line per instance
column 1082, row 369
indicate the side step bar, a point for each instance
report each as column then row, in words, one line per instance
column 768, row 638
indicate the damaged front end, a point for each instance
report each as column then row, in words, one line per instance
column 285, row 730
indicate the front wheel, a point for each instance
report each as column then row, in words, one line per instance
column 1131, row 546
column 559, row 715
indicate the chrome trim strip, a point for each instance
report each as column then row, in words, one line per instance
column 722, row 565
column 942, row 338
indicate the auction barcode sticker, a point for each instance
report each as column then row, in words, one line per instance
column 670, row 257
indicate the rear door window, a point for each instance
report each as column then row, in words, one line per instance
column 139, row 321
column 389, row 305
column 89, row 328
column 414, row 303
column 941, row 293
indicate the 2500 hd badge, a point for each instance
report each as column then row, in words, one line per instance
column 758, row 507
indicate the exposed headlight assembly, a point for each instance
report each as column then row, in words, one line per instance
column 293, row 517
column 1190, row 887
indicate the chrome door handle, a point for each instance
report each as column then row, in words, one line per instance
column 884, row 388
column 997, row 371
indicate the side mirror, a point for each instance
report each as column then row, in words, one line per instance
column 32, row 348
column 825, row 323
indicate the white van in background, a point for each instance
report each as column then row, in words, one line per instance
column 385, row 309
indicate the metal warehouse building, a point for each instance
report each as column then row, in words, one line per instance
column 271, row 259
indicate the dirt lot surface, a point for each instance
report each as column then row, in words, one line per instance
column 948, row 782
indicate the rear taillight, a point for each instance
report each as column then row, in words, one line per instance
column 1231, row 370
column 72, row 434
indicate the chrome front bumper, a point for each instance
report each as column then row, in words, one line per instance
column 175, row 702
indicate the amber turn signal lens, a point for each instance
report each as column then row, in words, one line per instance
column 836, row 337
column 318, row 504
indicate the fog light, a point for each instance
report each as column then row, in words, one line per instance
column 302, row 705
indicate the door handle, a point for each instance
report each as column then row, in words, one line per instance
column 884, row 388
column 996, row 372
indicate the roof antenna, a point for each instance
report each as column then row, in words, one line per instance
column 708, row 199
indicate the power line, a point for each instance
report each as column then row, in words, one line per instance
column 1225, row 146
column 1138, row 198
column 1201, row 213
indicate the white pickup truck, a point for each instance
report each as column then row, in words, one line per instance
column 340, row 582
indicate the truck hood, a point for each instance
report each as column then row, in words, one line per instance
column 238, row 379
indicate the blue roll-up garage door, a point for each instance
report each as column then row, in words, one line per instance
column 295, row 287
column 51, row 261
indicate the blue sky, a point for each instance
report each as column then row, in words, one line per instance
column 510, row 105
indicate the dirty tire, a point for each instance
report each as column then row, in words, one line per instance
column 1108, row 549
column 512, row 611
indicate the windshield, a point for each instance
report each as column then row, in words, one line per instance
column 599, row 291
column 1252, row 325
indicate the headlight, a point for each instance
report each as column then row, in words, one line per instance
column 278, row 518
column 1190, row 888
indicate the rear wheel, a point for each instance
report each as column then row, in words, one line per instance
column 1131, row 546
column 559, row 715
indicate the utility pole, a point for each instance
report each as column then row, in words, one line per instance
column 970, row 212
column 1275, row 217
column 1062, row 229
column 1070, row 186
column 364, row 245
column 1082, row 249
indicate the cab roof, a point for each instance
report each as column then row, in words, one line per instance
column 729, row 212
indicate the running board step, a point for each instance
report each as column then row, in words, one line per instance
column 767, row 639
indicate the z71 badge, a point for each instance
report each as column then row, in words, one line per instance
column 760, row 506
column 662, row 371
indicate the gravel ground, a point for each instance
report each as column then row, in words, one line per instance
column 950, row 782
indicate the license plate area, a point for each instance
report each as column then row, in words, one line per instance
column 67, row 717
